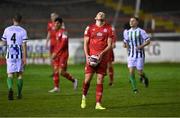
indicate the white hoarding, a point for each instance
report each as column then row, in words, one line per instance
column 157, row 51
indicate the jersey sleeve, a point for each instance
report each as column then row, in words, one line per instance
column 24, row 36
column 144, row 35
column 125, row 36
column 4, row 36
column 65, row 35
column 87, row 31
column 49, row 27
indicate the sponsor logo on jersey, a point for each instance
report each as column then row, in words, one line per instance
column 99, row 34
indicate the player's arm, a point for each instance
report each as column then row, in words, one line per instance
column 108, row 47
column 24, row 49
column 147, row 42
column 86, row 47
column 113, row 45
column 2, row 43
column 47, row 38
column 125, row 39
column 146, row 39
column 111, row 36
column 114, row 38
column 3, row 38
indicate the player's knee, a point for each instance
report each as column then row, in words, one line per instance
column 131, row 71
column 10, row 75
column 62, row 73
column 109, row 64
column 100, row 80
column 19, row 77
column 86, row 81
column 88, row 77
column 140, row 73
column 56, row 70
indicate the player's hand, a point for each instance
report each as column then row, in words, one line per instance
column 53, row 56
column 124, row 45
column 87, row 58
column 100, row 56
column 139, row 47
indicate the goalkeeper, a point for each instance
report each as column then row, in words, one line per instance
column 97, row 41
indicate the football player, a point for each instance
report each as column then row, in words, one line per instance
column 15, row 37
column 97, row 41
column 60, row 56
column 135, row 39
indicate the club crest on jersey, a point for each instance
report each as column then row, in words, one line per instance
column 105, row 30
column 99, row 34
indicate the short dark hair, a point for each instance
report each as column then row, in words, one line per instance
column 137, row 19
column 60, row 20
column 17, row 17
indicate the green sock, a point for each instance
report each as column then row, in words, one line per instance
column 10, row 83
column 19, row 85
column 133, row 82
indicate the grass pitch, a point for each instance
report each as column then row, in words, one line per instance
column 162, row 98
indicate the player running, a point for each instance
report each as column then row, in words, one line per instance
column 60, row 56
column 97, row 41
column 135, row 39
column 15, row 38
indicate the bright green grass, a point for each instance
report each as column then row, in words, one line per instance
column 162, row 98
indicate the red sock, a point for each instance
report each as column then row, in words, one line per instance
column 99, row 91
column 85, row 88
column 111, row 74
column 68, row 76
column 56, row 79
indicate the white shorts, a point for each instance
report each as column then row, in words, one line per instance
column 136, row 62
column 14, row 65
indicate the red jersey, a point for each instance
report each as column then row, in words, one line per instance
column 98, row 37
column 61, row 46
column 52, row 30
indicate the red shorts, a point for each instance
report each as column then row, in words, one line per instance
column 60, row 62
column 100, row 69
column 52, row 48
column 111, row 56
